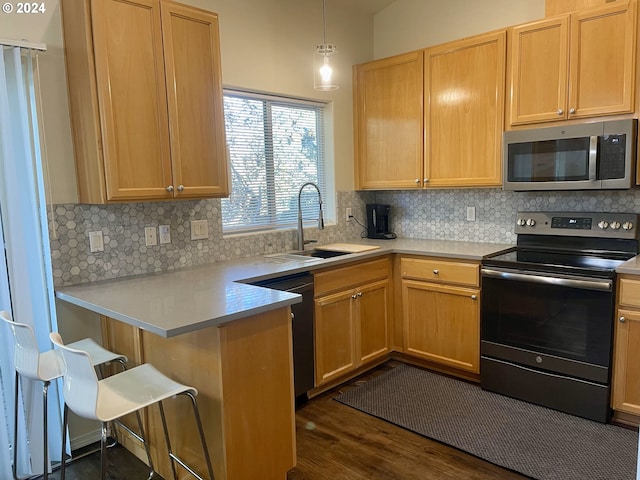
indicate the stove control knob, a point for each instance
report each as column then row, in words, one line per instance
column 627, row 225
column 603, row 225
column 615, row 225
column 521, row 222
column 531, row 222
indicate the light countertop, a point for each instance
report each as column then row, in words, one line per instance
column 630, row 267
column 179, row 301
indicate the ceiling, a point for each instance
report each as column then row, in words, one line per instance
column 368, row 6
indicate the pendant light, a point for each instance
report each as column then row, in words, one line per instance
column 324, row 60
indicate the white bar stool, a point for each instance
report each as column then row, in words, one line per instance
column 111, row 398
column 46, row 367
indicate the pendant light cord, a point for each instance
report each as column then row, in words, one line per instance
column 324, row 21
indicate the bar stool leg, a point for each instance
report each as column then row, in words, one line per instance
column 166, row 439
column 103, row 450
column 45, row 447
column 145, row 442
column 65, row 420
column 205, row 450
column 14, row 469
column 172, row 456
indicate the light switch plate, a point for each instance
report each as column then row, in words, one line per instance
column 165, row 234
column 471, row 214
column 150, row 236
column 96, row 241
column 199, row 229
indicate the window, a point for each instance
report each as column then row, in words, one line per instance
column 275, row 146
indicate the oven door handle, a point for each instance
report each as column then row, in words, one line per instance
column 585, row 284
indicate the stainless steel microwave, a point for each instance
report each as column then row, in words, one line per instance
column 588, row 156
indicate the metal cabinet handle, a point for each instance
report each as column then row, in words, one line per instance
column 354, row 296
column 169, row 188
column 474, row 297
column 560, row 111
column 425, row 180
column 180, row 188
column 436, row 271
column 417, row 180
column 572, row 110
column 622, row 319
column 359, row 294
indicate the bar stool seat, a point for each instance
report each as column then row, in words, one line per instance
column 45, row 367
column 113, row 397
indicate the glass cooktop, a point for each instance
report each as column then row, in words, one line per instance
column 561, row 262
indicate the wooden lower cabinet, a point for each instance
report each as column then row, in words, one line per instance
column 442, row 324
column 441, row 311
column 352, row 318
column 244, row 375
column 626, row 349
column 626, row 368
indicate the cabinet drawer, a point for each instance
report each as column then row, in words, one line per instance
column 630, row 292
column 342, row 278
column 438, row 270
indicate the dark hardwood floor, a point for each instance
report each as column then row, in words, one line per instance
column 336, row 442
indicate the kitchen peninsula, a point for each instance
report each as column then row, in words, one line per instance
column 232, row 341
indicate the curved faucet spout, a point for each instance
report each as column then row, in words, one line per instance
column 301, row 242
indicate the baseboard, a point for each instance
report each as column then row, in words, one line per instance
column 85, row 439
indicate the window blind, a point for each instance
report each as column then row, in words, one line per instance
column 275, row 145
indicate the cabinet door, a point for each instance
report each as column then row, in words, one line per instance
column 373, row 314
column 132, row 97
column 194, row 89
column 626, row 363
column 539, row 71
column 602, row 61
column 442, row 324
column 464, row 91
column 334, row 336
column 388, row 116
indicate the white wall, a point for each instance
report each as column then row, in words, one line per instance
column 407, row 25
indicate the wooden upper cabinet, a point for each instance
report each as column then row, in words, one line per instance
column 574, row 66
column 539, row 56
column 145, row 97
column 464, row 93
column 388, row 116
column 602, row 61
column 194, row 91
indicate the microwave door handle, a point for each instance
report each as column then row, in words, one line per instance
column 593, row 156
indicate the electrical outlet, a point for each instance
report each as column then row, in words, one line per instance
column 471, row 214
column 165, row 234
column 150, row 236
column 96, row 242
column 199, row 229
column 348, row 213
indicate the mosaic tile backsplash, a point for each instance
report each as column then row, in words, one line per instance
column 436, row 214
column 125, row 252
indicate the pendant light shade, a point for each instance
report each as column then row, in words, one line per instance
column 324, row 76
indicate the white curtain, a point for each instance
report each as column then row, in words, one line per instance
column 27, row 275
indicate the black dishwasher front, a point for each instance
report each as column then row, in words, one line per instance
column 302, row 327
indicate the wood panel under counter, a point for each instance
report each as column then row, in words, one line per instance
column 243, row 371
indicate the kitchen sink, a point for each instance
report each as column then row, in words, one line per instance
column 320, row 253
column 303, row 256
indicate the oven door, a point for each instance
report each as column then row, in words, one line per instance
column 556, row 323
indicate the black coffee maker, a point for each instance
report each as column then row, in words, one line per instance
column 378, row 221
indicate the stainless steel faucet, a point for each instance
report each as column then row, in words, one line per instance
column 301, row 241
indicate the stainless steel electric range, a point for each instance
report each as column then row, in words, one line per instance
column 547, row 310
